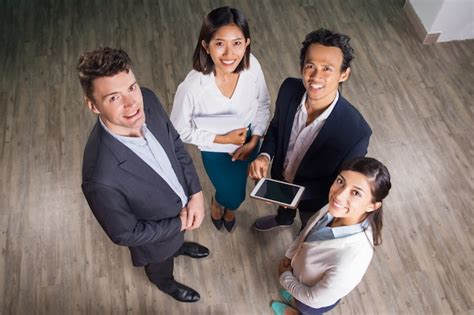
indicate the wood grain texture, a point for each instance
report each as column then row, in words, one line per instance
column 55, row 258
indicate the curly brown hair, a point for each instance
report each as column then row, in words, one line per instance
column 101, row 62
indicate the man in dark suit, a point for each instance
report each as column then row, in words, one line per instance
column 314, row 129
column 137, row 177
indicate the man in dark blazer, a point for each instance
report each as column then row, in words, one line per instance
column 137, row 177
column 314, row 129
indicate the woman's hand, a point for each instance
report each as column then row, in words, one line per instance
column 244, row 151
column 236, row 136
column 285, row 265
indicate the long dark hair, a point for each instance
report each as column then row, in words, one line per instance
column 217, row 18
column 379, row 180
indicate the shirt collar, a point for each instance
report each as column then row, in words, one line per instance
column 343, row 231
column 324, row 115
column 125, row 139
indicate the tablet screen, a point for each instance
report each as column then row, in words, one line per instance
column 277, row 191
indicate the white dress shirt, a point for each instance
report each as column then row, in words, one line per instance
column 198, row 96
column 302, row 137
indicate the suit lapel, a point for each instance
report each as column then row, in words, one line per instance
column 129, row 161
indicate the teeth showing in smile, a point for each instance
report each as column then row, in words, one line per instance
column 228, row 62
column 316, row 86
column 338, row 205
column 130, row 116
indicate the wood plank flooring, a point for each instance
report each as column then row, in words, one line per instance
column 55, row 258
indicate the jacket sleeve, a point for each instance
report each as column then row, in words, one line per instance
column 111, row 209
column 184, row 159
column 359, row 149
column 336, row 283
column 313, row 188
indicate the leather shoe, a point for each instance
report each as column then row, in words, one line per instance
column 194, row 250
column 183, row 293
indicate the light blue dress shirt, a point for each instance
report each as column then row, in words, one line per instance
column 152, row 153
column 321, row 231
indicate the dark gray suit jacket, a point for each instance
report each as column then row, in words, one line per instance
column 344, row 135
column 133, row 204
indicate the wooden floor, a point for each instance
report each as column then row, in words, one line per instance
column 55, row 259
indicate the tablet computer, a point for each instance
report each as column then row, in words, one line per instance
column 275, row 191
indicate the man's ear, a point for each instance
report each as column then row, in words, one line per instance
column 91, row 105
column 345, row 75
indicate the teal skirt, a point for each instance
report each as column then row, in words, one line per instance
column 228, row 178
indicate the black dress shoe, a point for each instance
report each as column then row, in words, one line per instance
column 194, row 250
column 217, row 222
column 183, row 293
column 229, row 225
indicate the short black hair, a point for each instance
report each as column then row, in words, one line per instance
column 217, row 18
column 330, row 39
column 101, row 62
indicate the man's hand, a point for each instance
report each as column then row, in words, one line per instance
column 183, row 216
column 259, row 167
column 195, row 211
column 285, row 265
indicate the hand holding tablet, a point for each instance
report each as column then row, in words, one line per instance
column 278, row 192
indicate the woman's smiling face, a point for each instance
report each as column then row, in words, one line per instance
column 350, row 197
column 227, row 48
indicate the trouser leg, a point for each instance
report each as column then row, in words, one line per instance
column 285, row 216
column 161, row 274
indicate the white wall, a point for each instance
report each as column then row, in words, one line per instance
column 427, row 11
column 454, row 19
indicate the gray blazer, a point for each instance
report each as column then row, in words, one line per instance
column 133, row 204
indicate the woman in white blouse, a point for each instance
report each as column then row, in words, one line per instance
column 331, row 255
column 223, row 107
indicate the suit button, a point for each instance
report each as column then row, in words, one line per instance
column 178, row 201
